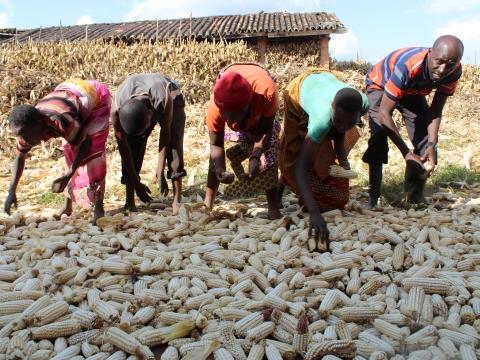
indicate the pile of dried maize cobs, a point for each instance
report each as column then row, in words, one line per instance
column 395, row 284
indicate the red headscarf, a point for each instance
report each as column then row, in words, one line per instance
column 232, row 91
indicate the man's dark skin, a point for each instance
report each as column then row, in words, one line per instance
column 443, row 59
column 342, row 121
column 217, row 153
column 33, row 136
column 133, row 183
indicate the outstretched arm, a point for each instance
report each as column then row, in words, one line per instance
column 339, row 145
column 60, row 183
column 163, row 142
column 17, row 171
column 436, row 109
column 262, row 137
column 386, row 122
column 303, row 164
column 126, row 154
column 219, row 173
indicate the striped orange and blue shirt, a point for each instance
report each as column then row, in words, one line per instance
column 405, row 72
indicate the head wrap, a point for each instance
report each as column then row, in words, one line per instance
column 232, row 91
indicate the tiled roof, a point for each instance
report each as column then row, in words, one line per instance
column 211, row 27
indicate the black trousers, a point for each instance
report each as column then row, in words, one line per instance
column 175, row 162
column 414, row 110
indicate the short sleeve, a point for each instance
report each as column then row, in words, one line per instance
column 397, row 83
column 365, row 104
column 319, row 125
column 271, row 105
column 214, row 120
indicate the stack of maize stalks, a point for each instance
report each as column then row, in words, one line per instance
column 395, row 284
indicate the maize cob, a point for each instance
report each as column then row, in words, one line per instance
column 163, row 335
column 340, row 172
column 429, row 285
column 272, row 353
column 448, row 347
column 88, row 319
column 280, row 334
column 170, row 353
column 398, row 256
column 15, row 306
column 467, row 352
column 301, row 336
column 357, row 313
column 389, row 235
column 260, row 332
column 57, row 329
column 122, row 340
column 342, row 348
column 143, row 315
column 257, row 352
column 51, row 313
column 60, row 344
column 247, row 322
column 106, row 311
column 457, row 338
column 89, row 349
column 42, row 354
column 222, row 354
column 231, row 343
column 467, row 314
column 117, row 355
column 380, row 343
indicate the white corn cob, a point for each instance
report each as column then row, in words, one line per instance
column 457, row 338
column 275, row 302
column 467, row 352
column 260, row 332
column 170, row 353
column 448, row 347
column 357, row 313
column 57, row 329
column 122, row 340
column 143, row 315
column 250, row 321
column 257, row 352
column 231, row 343
column 390, row 236
column 89, row 349
column 329, row 302
column 272, row 353
column 51, row 313
column 429, row 285
column 118, row 355
column 89, row 335
column 60, row 344
column 390, row 330
column 42, row 354
column 381, row 344
column 68, row 353
column 340, row 172
column 222, row 354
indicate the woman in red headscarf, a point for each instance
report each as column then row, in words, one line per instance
column 244, row 98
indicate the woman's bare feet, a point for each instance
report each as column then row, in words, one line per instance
column 66, row 209
column 98, row 210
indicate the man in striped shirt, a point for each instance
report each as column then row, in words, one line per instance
column 401, row 81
